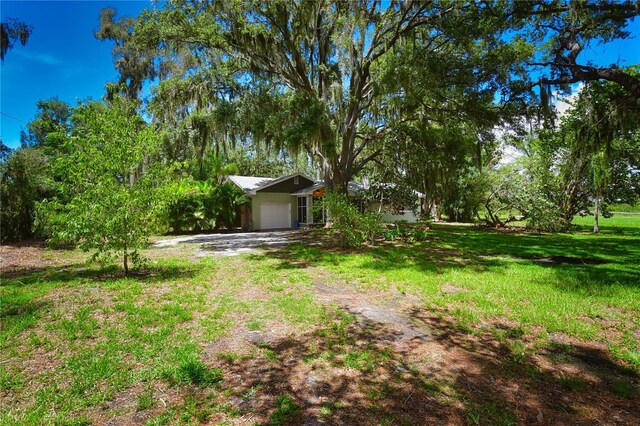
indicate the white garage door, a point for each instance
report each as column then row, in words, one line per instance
column 275, row 215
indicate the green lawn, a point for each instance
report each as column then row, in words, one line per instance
column 247, row 340
column 630, row 221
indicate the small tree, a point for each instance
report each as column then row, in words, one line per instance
column 354, row 227
column 112, row 186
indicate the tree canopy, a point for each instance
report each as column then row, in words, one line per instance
column 414, row 96
column 11, row 31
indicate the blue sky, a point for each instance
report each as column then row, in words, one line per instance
column 63, row 59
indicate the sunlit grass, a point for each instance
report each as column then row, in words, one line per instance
column 74, row 338
column 512, row 276
column 629, row 221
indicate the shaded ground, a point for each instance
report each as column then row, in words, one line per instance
column 309, row 336
column 235, row 244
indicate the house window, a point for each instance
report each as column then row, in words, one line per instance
column 302, row 209
column 296, row 180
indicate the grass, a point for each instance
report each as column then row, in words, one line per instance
column 619, row 222
column 499, row 275
column 75, row 339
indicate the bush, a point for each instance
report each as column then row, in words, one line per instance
column 353, row 227
column 23, row 177
column 204, row 205
column 545, row 216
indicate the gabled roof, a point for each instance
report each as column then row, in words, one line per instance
column 249, row 183
column 281, row 179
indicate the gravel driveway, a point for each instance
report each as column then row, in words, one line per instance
column 234, row 244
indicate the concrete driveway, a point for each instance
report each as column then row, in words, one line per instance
column 234, row 244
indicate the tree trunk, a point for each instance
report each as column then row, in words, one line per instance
column 438, row 213
column 125, row 258
column 596, row 228
column 125, row 262
column 336, row 181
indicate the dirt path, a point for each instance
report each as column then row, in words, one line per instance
column 390, row 314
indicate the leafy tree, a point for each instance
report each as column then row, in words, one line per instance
column 26, row 172
column 132, row 63
column 5, row 151
column 262, row 161
column 311, row 69
column 108, row 209
column 23, row 182
column 561, row 30
column 11, row 31
column 51, row 124
column 602, row 130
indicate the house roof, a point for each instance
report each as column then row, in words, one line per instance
column 249, row 183
column 352, row 187
column 281, row 179
column 309, row 189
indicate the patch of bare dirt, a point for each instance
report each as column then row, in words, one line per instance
column 33, row 256
column 360, row 304
column 451, row 289
column 124, row 408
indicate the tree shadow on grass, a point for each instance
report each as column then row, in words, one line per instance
column 578, row 389
column 335, row 376
column 380, row 258
column 597, row 265
column 594, row 264
column 596, row 248
column 99, row 274
column 367, row 373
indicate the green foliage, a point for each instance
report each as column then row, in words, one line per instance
column 111, row 190
column 11, row 31
column 402, row 231
column 390, row 197
column 132, row 63
column 507, row 196
column 353, row 227
column 203, row 205
column 50, row 126
column 23, row 182
column 322, row 78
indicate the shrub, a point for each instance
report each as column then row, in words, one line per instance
column 204, row 205
column 545, row 216
column 23, row 177
column 353, row 227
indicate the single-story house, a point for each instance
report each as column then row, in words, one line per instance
column 286, row 202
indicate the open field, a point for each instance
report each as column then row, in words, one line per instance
column 468, row 327
column 617, row 221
